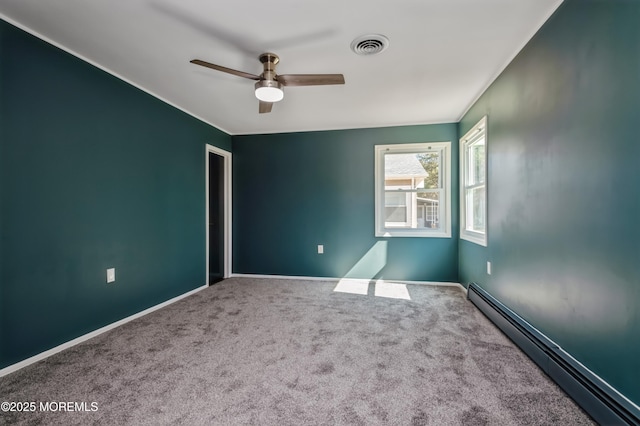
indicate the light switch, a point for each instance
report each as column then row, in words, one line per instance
column 111, row 275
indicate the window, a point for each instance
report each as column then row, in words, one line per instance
column 473, row 188
column 412, row 190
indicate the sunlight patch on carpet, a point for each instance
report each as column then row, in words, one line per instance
column 389, row 290
column 392, row 290
column 353, row 286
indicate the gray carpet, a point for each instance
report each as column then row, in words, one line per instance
column 282, row 352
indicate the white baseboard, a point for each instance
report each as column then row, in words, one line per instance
column 284, row 277
column 42, row 355
column 332, row 279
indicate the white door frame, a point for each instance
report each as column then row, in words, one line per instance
column 226, row 155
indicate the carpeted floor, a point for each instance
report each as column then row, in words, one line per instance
column 284, row 352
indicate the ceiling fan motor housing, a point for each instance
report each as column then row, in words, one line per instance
column 269, row 62
column 269, row 57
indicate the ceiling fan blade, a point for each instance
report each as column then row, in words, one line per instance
column 265, row 107
column 225, row 69
column 310, row 79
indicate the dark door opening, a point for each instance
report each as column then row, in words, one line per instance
column 216, row 218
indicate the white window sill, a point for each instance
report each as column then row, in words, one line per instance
column 412, row 233
column 475, row 238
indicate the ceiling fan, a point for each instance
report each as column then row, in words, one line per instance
column 269, row 86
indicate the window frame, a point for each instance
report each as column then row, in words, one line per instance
column 473, row 135
column 445, row 191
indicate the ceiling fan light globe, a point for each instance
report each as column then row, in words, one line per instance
column 269, row 94
column 269, row 91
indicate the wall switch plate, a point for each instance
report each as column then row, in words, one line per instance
column 111, row 275
column 320, row 249
column 488, row 268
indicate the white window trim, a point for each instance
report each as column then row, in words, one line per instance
column 470, row 137
column 380, row 229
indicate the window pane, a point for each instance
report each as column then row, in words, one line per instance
column 412, row 171
column 410, row 210
column 476, row 162
column 430, row 161
column 395, row 208
column 475, row 219
column 395, row 215
column 428, row 210
column 395, row 198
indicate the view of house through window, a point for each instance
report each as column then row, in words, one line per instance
column 473, row 197
column 407, row 181
column 411, row 185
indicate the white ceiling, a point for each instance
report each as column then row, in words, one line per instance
column 442, row 54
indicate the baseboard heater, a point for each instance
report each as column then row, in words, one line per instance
column 596, row 397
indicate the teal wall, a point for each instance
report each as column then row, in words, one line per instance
column 564, row 199
column 94, row 174
column 295, row 191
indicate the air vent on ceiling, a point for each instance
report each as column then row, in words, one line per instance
column 370, row 44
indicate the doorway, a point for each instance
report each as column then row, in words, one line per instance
column 218, row 214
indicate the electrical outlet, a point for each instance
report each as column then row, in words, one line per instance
column 111, row 275
column 320, row 249
column 488, row 268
